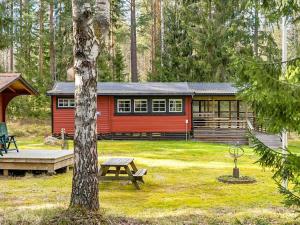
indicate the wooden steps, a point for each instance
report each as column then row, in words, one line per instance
column 221, row 135
column 270, row 140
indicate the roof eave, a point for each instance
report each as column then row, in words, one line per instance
column 28, row 87
column 125, row 94
column 31, row 89
column 215, row 94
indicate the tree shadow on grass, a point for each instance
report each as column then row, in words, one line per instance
column 76, row 216
column 62, row 216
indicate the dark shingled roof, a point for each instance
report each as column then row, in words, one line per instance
column 150, row 88
column 114, row 88
column 213, row 88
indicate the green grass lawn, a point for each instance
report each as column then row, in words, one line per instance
column 181, row 181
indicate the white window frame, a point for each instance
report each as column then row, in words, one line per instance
column 153, row 100
column 66, row 103
column 118, row 105
column 135, row 102
column 174, row 100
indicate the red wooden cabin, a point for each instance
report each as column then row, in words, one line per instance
column 129, row 110
column 205, row 111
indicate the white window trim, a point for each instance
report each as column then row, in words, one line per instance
column 162, row 99
column 123, row 100
column 135, row 100
column 69, row 103
column 176, row 99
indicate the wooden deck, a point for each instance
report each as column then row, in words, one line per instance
column 36, row 160
column 221, row 135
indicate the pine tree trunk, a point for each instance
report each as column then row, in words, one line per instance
column 112, row 45
column 11, row 67
column 156, row 34
column 86, row 49
column 27, row 37
column 153, row 38
column 158, row 26
column 52, row 45
column 162, row 29
column 21, row 23
column 134, row 72
column 41, row 33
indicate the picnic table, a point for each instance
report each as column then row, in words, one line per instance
column 122, row 169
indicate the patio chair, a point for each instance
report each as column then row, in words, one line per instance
column 6, row 140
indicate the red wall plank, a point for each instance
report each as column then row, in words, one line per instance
column 62, row 118
column 108, row 122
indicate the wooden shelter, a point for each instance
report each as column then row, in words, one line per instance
column 12, row 85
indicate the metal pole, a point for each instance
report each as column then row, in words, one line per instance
column 284, row 68
column 63, row 144
column 186, row 130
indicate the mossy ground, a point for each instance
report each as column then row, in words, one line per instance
column 181, row 185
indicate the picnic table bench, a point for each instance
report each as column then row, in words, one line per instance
column 122, row 166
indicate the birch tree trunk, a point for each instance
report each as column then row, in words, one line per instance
column 86, row 49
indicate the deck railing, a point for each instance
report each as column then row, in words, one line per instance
column 249, row 125
column 208, row 120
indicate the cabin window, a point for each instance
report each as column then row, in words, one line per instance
column 66, row 103
column 158, row 105
column 124, row 106
column 140, row 105
column 224, row 109
column 175, row 105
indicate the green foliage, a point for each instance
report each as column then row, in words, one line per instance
column 178, row 53
column 63, row 38
column 274, row 97
column 119, row 74
column 111, row 68
column 5, row 24
column 284, row 166
column 117, row 12
column 210, row 40
column 103, row 67
column 24, row 30
column 26, row 40
column 204, row 38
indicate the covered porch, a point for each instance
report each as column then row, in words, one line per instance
column 12, row 85
column 221, row 119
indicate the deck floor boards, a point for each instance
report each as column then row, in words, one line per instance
column 45, row 160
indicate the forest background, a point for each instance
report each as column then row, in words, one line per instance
column 176, row 40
